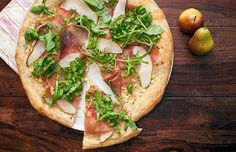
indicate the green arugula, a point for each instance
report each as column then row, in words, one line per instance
column 130, row 88
column 44, row 66
column 135, row 26
column 105, row 60
column 31, row 35
column 105, row 111
column 51, row 41
column 130, row 64
column 71, row 85
column 41, row 9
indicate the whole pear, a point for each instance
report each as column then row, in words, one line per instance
column 190, row 20
column 202, row 42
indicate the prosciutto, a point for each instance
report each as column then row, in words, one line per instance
column 72, row 39
column 93, row 126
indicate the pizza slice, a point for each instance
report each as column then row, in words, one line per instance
column 95, row 65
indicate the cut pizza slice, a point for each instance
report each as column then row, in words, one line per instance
column 106, row 122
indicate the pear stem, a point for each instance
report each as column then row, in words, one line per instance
column 206, row 25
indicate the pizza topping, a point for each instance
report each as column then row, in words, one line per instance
column 44, row 66
column 116, row 84
column 38, row 50
column 108, row 46
column 131, row 64
column 134, row 26
column 80, row 7
column 70, row 85
column 66, row 106
column 109, row 76
column 130, row 88
column 94, row 126
column 105, row 136
column 41, row 9
column 105, row 110
column 31, row 35
column 65, row 62
column 119, row 9
column 95, row 75
column 145, row 70
column 155, row 55
column 72, row 38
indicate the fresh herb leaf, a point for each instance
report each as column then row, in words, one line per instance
column 105, row 111
column 154, row 30
column 44, row 66
column 41, row 9
column 95, row 5
column 104, row 60
column 130, row 88
column 130, row 64
column 71, row 85
column 31, row 35
column 135, row 26
column 51, row 41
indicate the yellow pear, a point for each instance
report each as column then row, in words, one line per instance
column 190, row 20
column 201, row 43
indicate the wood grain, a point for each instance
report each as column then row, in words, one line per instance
column 196, row 114
column 167, row 128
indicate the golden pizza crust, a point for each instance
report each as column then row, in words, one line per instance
column 92, row 142
column 136, row 109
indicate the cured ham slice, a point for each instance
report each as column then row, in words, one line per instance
column 145, row 70
column 93, row 126
column 155, row 55
column 72, row 38
column 37, row 52
column 119, row 9
column 80, row 8
column 95, row 75
column 63, row 12
column 109, row 76
column 108, row 46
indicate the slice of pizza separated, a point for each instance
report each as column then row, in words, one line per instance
column 95, row 65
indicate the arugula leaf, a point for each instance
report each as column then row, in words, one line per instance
column 130, row 88
column 135, row 26
column 104, row 22
column 154, row 30
column 31, row 35
column 105, row 111
column 95, row 5
column 104, row 60
column 44, row 66
column 130, row 64
column 41, row 9
column 71, row 85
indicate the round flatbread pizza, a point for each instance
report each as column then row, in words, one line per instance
column 95, row 65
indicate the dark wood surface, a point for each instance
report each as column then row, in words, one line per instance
column 198, row 112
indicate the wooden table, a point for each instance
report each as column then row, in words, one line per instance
column 198, row 112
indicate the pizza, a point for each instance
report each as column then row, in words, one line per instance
column 95, row 65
